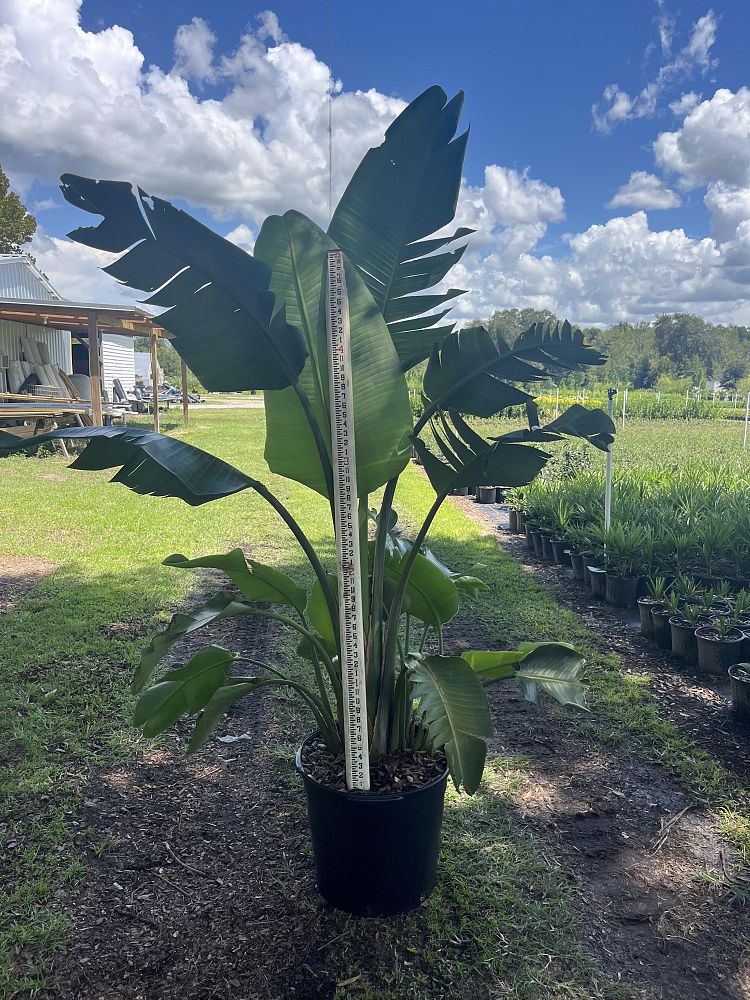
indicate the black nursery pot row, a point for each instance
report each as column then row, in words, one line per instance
column 695, row 644
column 482, row 494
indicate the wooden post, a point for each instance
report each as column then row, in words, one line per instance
column 155, row 382
column 95, row 370
column 185, row 400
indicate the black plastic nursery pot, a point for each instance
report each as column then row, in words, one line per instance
column 548, row 552
column 598, row 582
column 684, row 643
column 559, row 551
column 621, row 590
column 716, row 655
column 739, row 678
column 577, row 562
column 645, row 605
column 521, row 521
column 375, row 855
column 486, row 494
column 537, row 540
column 513, row 520
column 662, row 629
column 462, row 491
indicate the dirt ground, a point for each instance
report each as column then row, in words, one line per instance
column 18, row 577
column 199, row 882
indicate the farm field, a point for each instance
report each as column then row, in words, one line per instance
column 657, row 444
column 112, row 884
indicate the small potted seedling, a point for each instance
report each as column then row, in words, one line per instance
column 683, row 626
column 564, row 513
column 719, row 644
column 660, row 616
column 687, row 588
column 580, row 548
column 742, row 607
column 739, row 678
column 657, row 589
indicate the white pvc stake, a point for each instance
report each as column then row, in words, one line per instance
column 624, row 404
column 608, row 474
column 347, row 527
column 747, row 414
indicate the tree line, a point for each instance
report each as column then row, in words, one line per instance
column 674, row 351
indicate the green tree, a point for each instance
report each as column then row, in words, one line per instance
column 17, row 225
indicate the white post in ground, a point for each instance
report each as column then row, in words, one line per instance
column 747, row 414
column 557, row 401
column 611, row 393
column 624, row 405
column 687, row 398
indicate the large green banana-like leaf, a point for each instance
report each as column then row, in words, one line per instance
column 404, row 190
column 295, row 248
column 465, row 372
column 182, row 691
column 455, row 712
column 152, row 464
column 222, row 313
column 593, row 425
column 431, row 594
column 479, row 463
column 254, row 580
column 220, row 606
column 559, row 348
column 555, row 667
column 221, row 701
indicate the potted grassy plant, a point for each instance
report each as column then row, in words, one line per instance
column 657, row 589
column 660, row 617
column 625, row 547
column 719, row 645
column 258, row 322
column 682, row 628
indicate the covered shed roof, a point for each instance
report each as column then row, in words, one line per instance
column 27, row 296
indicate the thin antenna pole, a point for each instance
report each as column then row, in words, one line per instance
column 611, row 393
column 330, row 110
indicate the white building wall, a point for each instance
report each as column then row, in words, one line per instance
column 117, row 361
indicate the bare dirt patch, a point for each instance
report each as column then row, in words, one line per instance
column 18, row 577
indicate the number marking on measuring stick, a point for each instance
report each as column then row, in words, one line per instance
column 347, row 527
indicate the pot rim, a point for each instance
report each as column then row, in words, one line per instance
column 361, row 796
column 733, row 674
column 712, row 638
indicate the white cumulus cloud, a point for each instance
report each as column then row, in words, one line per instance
column 194, row 51
column 644, row 190
column 86, row 102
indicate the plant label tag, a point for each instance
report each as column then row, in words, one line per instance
column 346, row 523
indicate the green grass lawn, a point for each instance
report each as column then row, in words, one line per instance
column 68, row 650
column 653, row 444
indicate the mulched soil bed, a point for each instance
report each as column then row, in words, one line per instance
column 200, row 882
column 403, row 770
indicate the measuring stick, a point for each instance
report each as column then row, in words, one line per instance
column 346, row 525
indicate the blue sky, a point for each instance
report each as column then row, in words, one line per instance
column 531, row 72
